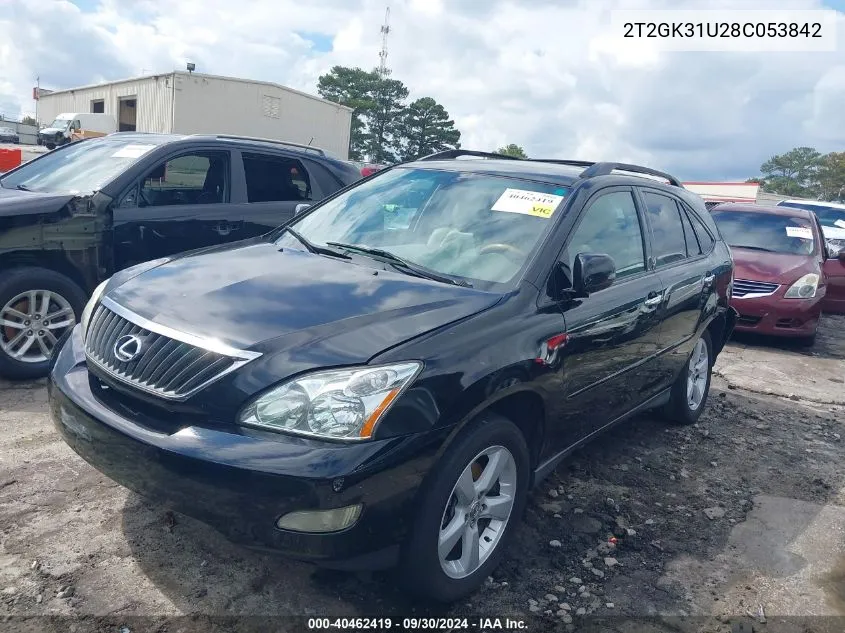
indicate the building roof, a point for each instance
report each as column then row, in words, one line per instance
column 48, row 94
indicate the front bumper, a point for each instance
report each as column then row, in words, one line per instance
column 240, row 482
column 776, row 316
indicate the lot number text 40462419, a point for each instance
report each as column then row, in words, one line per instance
column 483, row 625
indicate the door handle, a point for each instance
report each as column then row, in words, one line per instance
column 709, row 278
column 653, row 301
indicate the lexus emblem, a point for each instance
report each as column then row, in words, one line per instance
column 128, row 347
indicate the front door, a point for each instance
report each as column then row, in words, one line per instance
column 834, row 299
column 181, row 204
column 612, row 335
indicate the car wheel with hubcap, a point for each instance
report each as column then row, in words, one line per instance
column 467, row 511
column 37, row 306
column 689, row 393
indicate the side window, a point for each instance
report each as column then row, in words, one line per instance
column 610, row 225
column 76, row 125
column 276, row 179
column 666, row 227
column 198, row 178
column 704, row 238
column 693, row 247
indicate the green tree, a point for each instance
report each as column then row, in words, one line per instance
column 426, row 128
column 384, row 119
column 831, row 176
column 354, row 88
column 29, row 120
column 512, row 149
column 794, row 173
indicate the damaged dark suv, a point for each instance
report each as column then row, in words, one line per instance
column 76, row 215
column 380, row 381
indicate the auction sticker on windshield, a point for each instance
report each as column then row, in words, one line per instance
column 132, row 151
column 801, row 232
column 540, row 205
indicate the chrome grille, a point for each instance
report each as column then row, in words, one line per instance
column 743, row 287
column 164, row 365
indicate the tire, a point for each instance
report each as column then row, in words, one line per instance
column 678, row 409
column 421, row 571
column 807, row 341
column 65, row 297
column 50, row 145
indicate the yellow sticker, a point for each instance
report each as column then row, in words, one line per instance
column 540, row 205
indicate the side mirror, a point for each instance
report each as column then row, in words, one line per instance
column 300, row 208
column 592, row 272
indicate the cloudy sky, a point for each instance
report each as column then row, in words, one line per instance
column 546, row 74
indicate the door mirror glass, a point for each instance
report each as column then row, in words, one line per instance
column 592, row 272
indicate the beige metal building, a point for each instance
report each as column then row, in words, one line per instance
column 194, row 103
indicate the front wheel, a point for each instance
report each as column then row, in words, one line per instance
column 689, row 393
column 467, row 513
column 37, row 306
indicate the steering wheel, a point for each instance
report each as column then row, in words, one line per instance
column 505, row 249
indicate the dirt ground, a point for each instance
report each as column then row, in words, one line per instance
column 734, row 524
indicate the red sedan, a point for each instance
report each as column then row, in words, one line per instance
column 780, row 272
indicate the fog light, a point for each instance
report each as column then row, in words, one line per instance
column 320, row 520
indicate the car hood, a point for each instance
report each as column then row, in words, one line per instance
column 258, row 297
column 18, row 202
column 780, row 268
column 50, row 130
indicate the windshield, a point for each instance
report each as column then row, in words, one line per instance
column 473, row 226
column 79, row 168
column 828, row 216
column 59, row 123
column 760, row 231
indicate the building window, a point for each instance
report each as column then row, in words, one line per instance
column 98, row 106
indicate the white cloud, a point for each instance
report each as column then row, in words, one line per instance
column 546, row 74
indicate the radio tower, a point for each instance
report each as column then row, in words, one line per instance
column 383, row 70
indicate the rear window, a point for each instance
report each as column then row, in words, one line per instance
column 763, row 232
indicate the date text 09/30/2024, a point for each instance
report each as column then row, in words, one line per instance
column 409, row 624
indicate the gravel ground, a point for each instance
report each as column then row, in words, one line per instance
column 715, row 527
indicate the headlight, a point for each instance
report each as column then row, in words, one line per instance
column 804, row 288
column 89, row 307
column 344, row 404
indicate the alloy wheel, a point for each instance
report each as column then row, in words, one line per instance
column 31, row 324
column 477, row 512
column 699, row 365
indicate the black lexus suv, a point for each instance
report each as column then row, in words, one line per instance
column 74, row 216
column 381, row 380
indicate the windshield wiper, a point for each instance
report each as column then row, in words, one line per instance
column 313, row 248
column 23, row 188
column 404, row 264
column 753, row 248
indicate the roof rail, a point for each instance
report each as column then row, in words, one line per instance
column 604, row 169
column 562, row 161
column 235, row 137
column 455, row 153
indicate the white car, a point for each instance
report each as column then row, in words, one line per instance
column 831, row 216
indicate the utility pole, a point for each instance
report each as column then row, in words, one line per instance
column 37, row 98
column 383, row 70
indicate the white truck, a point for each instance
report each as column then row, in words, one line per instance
column 72, row 126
